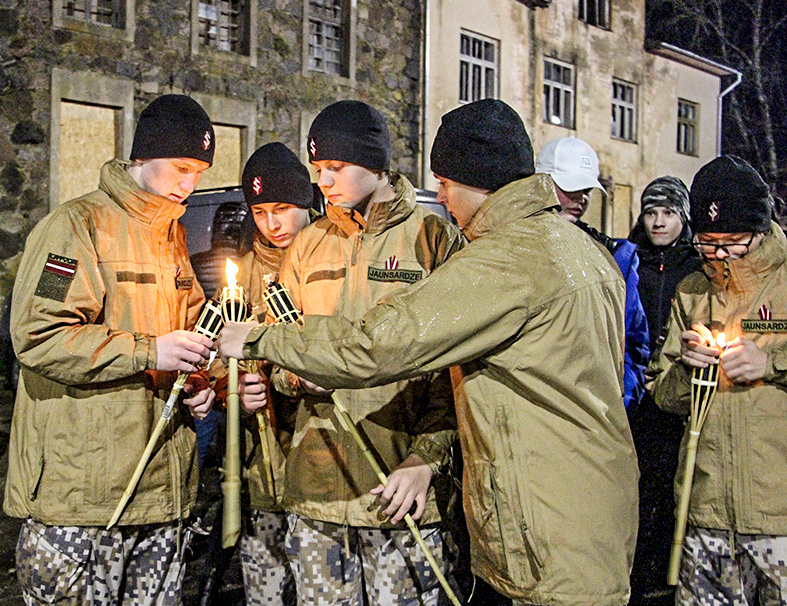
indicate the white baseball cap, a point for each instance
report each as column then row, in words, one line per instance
column 571, row 163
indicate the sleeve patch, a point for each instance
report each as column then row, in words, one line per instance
column 56, row 277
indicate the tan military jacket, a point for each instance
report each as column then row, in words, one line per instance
column 739, row 482
column 100, row 276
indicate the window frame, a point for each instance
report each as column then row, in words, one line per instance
column 562, row 87
column 90, row 89
column 249, row 18
column 688, row 127
column 123, row 31
column 621, row 108
column 348, row 43
column 601, row 13
column 474, row 71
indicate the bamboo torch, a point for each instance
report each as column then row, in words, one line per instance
column 233, row 309
column 283, row 310
column 703, row 387
column 208, row 324
column 254, row 367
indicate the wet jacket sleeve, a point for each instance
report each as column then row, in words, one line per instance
column 668, row 378
column 57, row 309
column 427, row 326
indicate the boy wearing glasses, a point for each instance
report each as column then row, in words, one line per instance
column 735, row 548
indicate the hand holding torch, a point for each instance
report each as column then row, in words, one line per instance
column 208, row 324
column 703, row 387
column 283, row 309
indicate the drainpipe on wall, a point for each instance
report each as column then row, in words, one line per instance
column 425, row 96
column 738, row 78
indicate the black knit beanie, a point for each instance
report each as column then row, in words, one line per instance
column 351, row 131
column 728, row 196
column 275, row 174
column 669, row 192
column 482, row 144
column 174, row 126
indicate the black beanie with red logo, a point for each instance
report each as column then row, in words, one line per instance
column 728, row 196
column 274, row 174
column 174, row 126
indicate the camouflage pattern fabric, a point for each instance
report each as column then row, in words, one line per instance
column 267, row 577
column 337, row 565
column 711, row 574
column 90, row 566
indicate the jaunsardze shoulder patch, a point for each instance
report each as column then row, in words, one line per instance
column 56, row 277
column 410, row 276
column 764, row 325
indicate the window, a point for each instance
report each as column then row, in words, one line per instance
column 224, row 24
column 624, row 111
column 103, row 12
column 687, row 127
column 110, row 18
column 92, row 121
column 594, row 12
column 558, row 93
column 327, row 36
column 477, row 68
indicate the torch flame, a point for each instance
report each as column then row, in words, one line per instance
column 232, row 271
column 721, row 340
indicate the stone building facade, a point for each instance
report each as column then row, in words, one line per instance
column 74, row 75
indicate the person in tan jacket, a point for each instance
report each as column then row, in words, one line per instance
column 103, row 306
column 278, row 189
column 345, row 538
column 735, row 550
column 529, row 316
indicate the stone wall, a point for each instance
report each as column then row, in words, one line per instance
column 160, row 60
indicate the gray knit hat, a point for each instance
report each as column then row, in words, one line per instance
column 669, row 192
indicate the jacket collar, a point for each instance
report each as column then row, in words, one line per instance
column 151, row 209
column 267, row 252
column 384, row 215
column 517, row 200
column 745, row 274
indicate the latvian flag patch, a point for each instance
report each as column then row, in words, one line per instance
column 56, row 277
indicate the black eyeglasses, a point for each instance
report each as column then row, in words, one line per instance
column 731, row 248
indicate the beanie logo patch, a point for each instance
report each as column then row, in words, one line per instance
column 256, row 186
column 713, row 212
column 206, row 140
column 312, row 147
column 392, row 262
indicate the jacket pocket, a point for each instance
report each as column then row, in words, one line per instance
column 501, row 513
column 759, row 468
column 515, row 507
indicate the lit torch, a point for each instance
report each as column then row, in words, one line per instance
column 233, row 309
column 703, row 387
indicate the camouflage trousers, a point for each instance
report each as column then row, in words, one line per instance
column 90, row 566
column 352, row 566
column 747, row 570
column 267, row 576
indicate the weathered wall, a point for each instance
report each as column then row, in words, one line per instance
column 159, row 60
column 529, row 35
